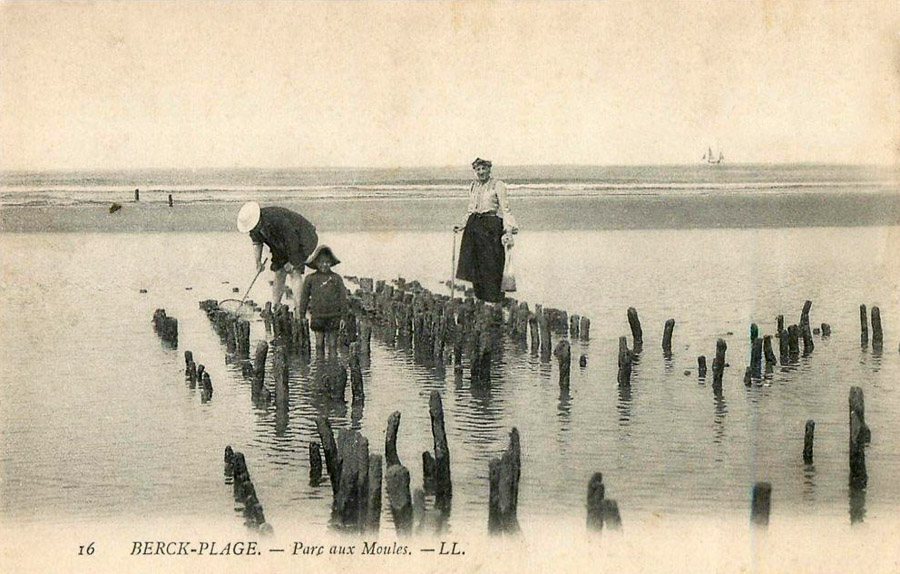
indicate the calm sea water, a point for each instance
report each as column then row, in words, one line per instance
column 272, row 185
column 98, row 422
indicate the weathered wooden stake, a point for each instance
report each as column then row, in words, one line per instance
column 535, row 333
column 544, row 329
column 595, row 493
column 863, row 326
column 397, row 487
column 563, row 354
column 718, row 365
column 701, row 366
column 808, row 437
column 761, row 504
column 332, row 460
column 390, row 440
column 794, row 342
column 859, row 436
column 667, row 337
column 504, row 476
column 373, row 510
column 171, row 203
column 443, row 487
column 315, row 464
column 585, row 329
column 877, row 336
column 637, row 333
column 768, row 352
column 805, row 331
column 756, row 352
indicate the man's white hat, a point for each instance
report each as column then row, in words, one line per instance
column 248, row 217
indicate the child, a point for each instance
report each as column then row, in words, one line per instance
column 325, row 296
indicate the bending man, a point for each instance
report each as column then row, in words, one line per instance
column 290, row 237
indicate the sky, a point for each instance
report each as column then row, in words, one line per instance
column 115, row 85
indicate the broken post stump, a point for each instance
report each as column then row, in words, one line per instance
column 805, row 331
column 667, row 337
column 877, row 336
column 443, row 487
column 701, row 366
column 315, row 464
column 863, row 326
column 637, row 334
column 544, row 329
column 761, row 503
column 504, row 474
column 356, row 379
column 859, row 436
column 332, row 460
column 373, row 499
column 397, row 487
column 794, row 342
column 595, row 493
column 719, row 365
column 768, row 352
column 390, row 440
column 808, row 437
column 584, row 329
column 756, row 358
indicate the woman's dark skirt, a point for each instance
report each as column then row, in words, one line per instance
column 482, row 256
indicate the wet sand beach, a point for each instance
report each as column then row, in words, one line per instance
column 811, row 209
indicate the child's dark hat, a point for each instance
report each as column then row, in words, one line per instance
column 320, row 251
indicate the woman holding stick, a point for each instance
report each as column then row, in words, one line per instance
column 487, row 231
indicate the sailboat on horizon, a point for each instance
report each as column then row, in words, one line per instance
column 711, row 158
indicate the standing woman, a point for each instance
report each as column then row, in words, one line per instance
column 487, row 231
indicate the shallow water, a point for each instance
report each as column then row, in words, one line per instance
column 98, row 421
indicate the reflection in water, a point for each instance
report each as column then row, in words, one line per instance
column 809, row 482
column 624, row 405
column 857, row 504
column 481, row 422
column 719, row 418
column 564, row 416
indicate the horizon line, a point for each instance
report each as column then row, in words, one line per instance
column 446, row 166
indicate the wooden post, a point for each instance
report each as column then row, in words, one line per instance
column 859, row 436
column 504, row 474
column 315, row 464
column 719, row 365
column 585, row 329
column 280, row 374
column 206, row 388
column 637, row 333
column 259, row 368
column 332, row 460
column 794, row 342
column 373, row 511
column 397, row 487
column 390, row 440
column 805, row 332
column 595, row 493
column 756, row 358
column 582, row 361
column 858, row 406
column 427, row 472
column 137, row 194
column 574, row 321
column 864, row 326
column 667, row 337
column 779, row 328
column 808, row 437
column 171, row 203
column 535, row 334
column 877, row 336
column 563, row 354
column 768, row 352
column 544, row 328
column 826, row 330
column 443, row 487
column 761, row 504
column 754, row 332
column 701, row 366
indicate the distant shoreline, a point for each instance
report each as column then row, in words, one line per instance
column 533, row 213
